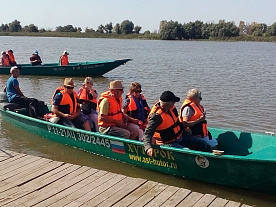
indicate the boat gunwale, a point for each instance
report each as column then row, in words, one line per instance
column 124, row 140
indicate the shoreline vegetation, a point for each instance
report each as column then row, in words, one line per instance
column 168, row 30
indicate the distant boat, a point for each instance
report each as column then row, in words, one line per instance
column 249, row 159
column 96, row 68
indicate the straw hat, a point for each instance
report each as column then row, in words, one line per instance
column 116, row 85
column 69, row 82
column 88, row 80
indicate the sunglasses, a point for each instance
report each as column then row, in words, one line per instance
column 69, row 87
column 137, row 91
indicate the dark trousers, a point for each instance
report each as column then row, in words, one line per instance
column 30, row 103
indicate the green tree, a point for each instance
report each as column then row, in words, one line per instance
column 31, row 28
column 258, row 29
column 117, row 29
column 100, row 29
column 271, row 30
column 137, row 29
column 127, row 27
column 108, row 27
column 15, row 26
column 193, row 30
column 67, row 28
column 91, row 30
column 170, row 30
column 4, row 28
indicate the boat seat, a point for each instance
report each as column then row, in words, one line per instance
column 12, row 107
column 268, row 153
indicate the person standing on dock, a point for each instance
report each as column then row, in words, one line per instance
column 164, row 127
column 112, row 120
column 63, row 60
column 35, row 59
column 66, row 107
column 15, row 95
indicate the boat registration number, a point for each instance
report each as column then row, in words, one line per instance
column 79, row 136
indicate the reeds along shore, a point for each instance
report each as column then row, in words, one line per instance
column 148, row 36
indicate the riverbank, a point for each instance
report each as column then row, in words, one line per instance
column 145, row 36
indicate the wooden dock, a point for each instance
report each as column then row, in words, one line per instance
column 34, row 181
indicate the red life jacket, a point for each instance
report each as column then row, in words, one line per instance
column 64, row 60
column 4, row 61
column 170, row 129
column 199, row 129
column 115, row 109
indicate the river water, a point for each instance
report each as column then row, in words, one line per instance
column 237, row 81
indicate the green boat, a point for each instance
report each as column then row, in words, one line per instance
column 97, row 68
column 249, row 159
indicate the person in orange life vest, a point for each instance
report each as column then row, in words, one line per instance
column 35, row 59
column 11, row 57
column 63, row 60
column 112, row 121
column 136, row 107
column 88, row 99
column 4, row 61
column 164, row 126
column 192, row 115
column 66, row 107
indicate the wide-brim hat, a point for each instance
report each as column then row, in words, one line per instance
column 168, row 96
column 69, row 82
column 116, row 85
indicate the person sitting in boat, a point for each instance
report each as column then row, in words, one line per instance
column 88, row 99
column 63, row 60
column 112, row 121
column 164, row 127
column 4, row 61
column 193, row 116
column 136, row 107
column 11, row 57
column 15, row 95
column 35, row 59
column 65, row 106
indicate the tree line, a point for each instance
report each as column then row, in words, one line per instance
column 168, row 30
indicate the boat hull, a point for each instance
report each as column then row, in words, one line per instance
column 230, row 170
column 74, row 69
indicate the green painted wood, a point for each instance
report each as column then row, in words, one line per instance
column 249, row 160
column 96, row 68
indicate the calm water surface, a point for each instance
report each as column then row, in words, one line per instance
column 237, row 80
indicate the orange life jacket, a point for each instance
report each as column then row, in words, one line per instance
column 11, row 57
column 199, row 129
column 85, row 95
column 132, row 110
column 4, row 61
column 64, row 60
column 66, row 101
column 115, row 109
column 170, row 129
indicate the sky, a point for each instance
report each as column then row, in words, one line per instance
column 49, row 14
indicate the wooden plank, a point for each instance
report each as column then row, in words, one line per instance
column 30, row 177
column 30, row 187
column 80, row 194
column 191, row 199
column 5, row 154
column 151, row 194
column 96, row 191
column 12, row 161
column 233, row 204
column 163, row 196
column 126, row 201
column 244, row 205
column 109, row 192
column 15, row 168
column 218, row 202
column 176, row 198
column 95, row 174
column 118, row 195
column 205, row 200
column 56, row 187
